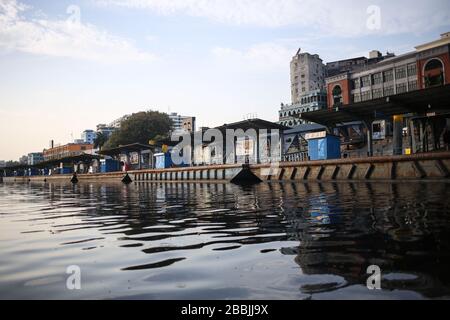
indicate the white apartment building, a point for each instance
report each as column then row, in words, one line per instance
column 88, row 136
column 35, row 158
column 182, row 123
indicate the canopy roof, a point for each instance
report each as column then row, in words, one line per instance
column 45, row 164
column 134, row 147
column 435, row 99
column 253, row 124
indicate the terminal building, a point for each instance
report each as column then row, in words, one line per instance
column 395, row 111
column 68, row 150
column 308, row 83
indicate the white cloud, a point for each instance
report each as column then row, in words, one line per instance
column 61, row 38
column 270, row 56
column 344, row 18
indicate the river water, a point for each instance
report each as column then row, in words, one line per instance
column 222, row 241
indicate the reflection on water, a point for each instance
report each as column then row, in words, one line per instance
column 216, row 241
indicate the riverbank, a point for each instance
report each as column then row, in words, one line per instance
column 406, row 167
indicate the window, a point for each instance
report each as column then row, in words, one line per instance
column 337, row 95
column 366, row 81
column 377, row 78
column 412, row 70
column 434, row 73
column 389, row 91
column 401, row 88
column 377, row 93
column 365, row 96
column 413, row 85
column 400, row 73
column 356, row 97
column 388, row 76
column 357, row 83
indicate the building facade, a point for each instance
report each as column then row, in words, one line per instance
column 307, row 88
column 312, row 101
column 35, row 158
column 307, row 74
column 428, row 66
column 355, row 64
column 182, row 123
column 188, row 124
column 386, row 78
column 105, row 130
column 68, row 150
column 88, row 136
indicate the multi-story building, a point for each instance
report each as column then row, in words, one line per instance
column 182, row 123
column 105, row 130
column 2, row 163
column 307, row 74
column 88, row 136
column 312, row 101
column 428, row 66
column 116, row 123
column 68, row 150
column 35, row 158
column 307, row 88
column 355, row 64
column 188, row 124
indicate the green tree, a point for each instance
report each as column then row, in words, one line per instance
column 140, row 127
column 101, row 140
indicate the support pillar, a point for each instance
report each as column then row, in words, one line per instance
column 369, row 137
column 397, row 147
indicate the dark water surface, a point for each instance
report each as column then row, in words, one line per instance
column 221, row 241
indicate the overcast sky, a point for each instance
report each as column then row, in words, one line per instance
column 66, row 66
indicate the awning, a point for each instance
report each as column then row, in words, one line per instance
column 72, row 159
column 135, row 147
column 427, row 101
column 256, row 124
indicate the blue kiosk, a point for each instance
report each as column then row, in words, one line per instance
column 323, row 146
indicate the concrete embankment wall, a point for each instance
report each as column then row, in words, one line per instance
column 419, row 166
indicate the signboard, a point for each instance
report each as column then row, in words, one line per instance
column 134, row 158
column 316, row 135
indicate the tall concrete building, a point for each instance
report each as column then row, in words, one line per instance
column 182, row 123
column 307, row 88
column 307, row 74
